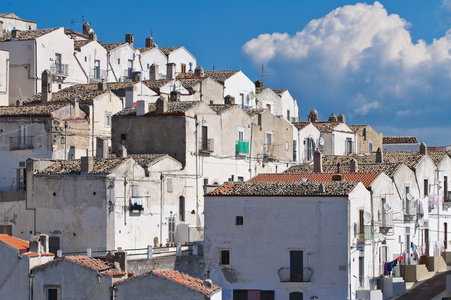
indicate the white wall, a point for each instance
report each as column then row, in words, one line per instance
column 118, row 62
column 86, row 58
column 4, row 77
column 182, row 56
column 240, row 84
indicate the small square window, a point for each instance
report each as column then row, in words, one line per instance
column 118, row 61
column 86, row 58
column 123, row 136
column 240, row 178
column 239, row 220
column 225, row 257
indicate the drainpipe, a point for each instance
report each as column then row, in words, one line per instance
column 372, row 240
column 30, row 282
column 81, row 67
column 250, row 150
column 99, row 277
column 35, row 67
column 349, row 248
column 197, row 172
column 125, row 200
column 161, row 207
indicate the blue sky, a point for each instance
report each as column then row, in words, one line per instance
column 386, row 63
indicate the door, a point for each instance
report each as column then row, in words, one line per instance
column 58, row 62
column 296, row 266
column 97, row 69
column 204, row 138
column 171, row 229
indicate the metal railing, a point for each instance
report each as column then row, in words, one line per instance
column 268, row 150
column 367, row 233
column 242, row 147
column 21, row 142
column 206, row 145
column 286, row 275
column 387, row 220
column 97, row 74
column 60, row 69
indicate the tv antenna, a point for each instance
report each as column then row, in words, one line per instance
column 73, row 22
column 263, row 73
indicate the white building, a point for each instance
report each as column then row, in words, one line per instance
column 10, row 22
column 4, row 77
column 281, row 240
column 400, row 143
column 183, row 60
column 92, row 60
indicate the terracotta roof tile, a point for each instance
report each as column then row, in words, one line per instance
column 186, row 280
column 326, row 126
column 93, row 263
column 15, row 242
column 27, row 35
column 365, row 178
column 81, row 92
column 30, row 110
column 173, row 108
column 252, row 112
column 285, row 188
column 399, row 140
column 101, row 166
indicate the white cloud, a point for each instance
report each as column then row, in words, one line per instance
column 446, row 4
column 359, row 59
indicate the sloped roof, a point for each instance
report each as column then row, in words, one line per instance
column 146, row 160
column 156, row 84
column 90, row 262
column 14, row 242
column 14, row 16
column 252, row 112
column 168, row 50
column 80, row 92
column 285, row 188
column 27, row 35
column 399, row 140
column 173, row 108
column 279, row 92
column 220, row 108
column 436, row 156
column 112, row 46
column 187, row 281
column 300, row 125
column 326, row 126
column 365, row 178
column 220, row 76
column 30, row 110
column 101, row 166
column 356, row 128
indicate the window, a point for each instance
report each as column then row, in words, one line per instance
column 445, row 231
column 407, row 200
column 169, row 185
column 253, row 295
column 97, row 69
column 54, row 244
column 21, row 180
column 361, row 222
column 123, row 136
column 268, row 107
column 268, row 138
column 445, row 188
column 296, row 266
column 309, row 146
column 349, row 146
column 182, row 208
column 239, row 220
column 242, row 100
column 370, row 147
column 225, row 257
column 241, row 135
column 240, row 178
column 7, row 229
column 135, row 190
column 288, row 115
column 183, row 68
column 118, row 61
column 295, row 153
column 287, row 146
column 86, row 59
column 171, row 229
column 426, row 187
column 296, row 296
column 108, row 119
column 53, row 292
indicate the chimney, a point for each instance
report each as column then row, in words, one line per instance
column 175, row 96
column 313, row 116
column 76, row 105
column 161, row 106
column 86, row 28
column 87, row 163
column 333, row 118
column 121, row 151
column 102, row 86
column 150, row 43
column 353, row 166
column 153, row 72
column 44, row 240
column 92, row 36
column 35, row 244
column 120, row 256
column 142, row 107
column 46, row 86
column 129, row 96
column 102, row 148
column 259, row 84
column 317, row 162
column 229, row 99
column 136, row 76
column 170, row 71
column 19, row 102
column 379, row 156
column 199, row 71
column 423, row 148
column 341, row 118
column 129, row 38
column 321, row 188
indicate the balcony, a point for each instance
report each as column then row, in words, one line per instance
column 136, row 205
column 286, row 275
column 268, row 150
column 367, row 234
column 242, row 147
column 97, row 75
column 206, row 145
column 21, row 142
column 60, row 70
column 410, row 210
column 447, row 198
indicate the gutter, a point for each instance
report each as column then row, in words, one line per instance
column 81, row 67
column 99, row 278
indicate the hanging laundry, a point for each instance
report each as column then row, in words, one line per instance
column 413, row 246
column 424, row 203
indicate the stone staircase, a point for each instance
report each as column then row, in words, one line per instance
column 426, row 269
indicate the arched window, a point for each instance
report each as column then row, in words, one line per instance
column 296, row 296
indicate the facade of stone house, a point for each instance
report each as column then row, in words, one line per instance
column 368, row 140
column 10, row 22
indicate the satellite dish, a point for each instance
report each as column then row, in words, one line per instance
column 251, row 95
column 381, row 237
column 367, row 217
column 321, row 141
column 409, row 197
column 387, row 206
column 421, row 222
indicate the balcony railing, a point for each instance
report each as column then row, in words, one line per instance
column 61, row 70
column 242, row 147
column 447, row 196
column 20, row 142
column 206, row 145
column 286, row 275
column 387, row 220
column 97, row 75
column 268, row 150
column 410, row 209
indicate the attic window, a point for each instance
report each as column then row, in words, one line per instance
column 239, row 220
column 86, row 58
column 123, row 136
